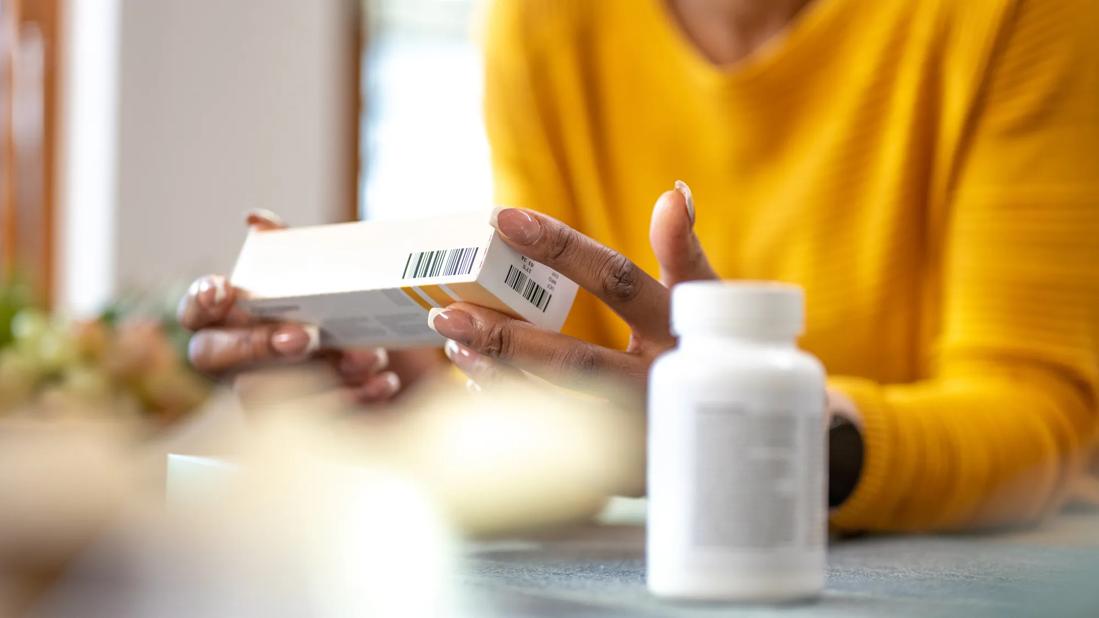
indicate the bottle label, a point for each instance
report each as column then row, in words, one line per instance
column 759, row 478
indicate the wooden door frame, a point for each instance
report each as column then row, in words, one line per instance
column 358, row 15
column 9, row 20
column 46, row 15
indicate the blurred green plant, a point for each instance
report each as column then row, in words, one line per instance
column 14, row 296
column 130, row 360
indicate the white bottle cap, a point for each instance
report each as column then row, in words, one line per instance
column 748, row 308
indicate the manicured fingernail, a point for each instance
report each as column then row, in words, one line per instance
column 518, row 226
column 384, row 385
column 259, row 215
column 688, row 197
column 392, row 382
column 295, row 340
column 431, row 314
column 355, row 362
column 314, row 333
column 452, row 324
column 381, row 359
column 213, row 291
column 221, row 291
column 462, row 357
column 452, row 349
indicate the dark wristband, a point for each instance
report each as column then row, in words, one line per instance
column 845, row 454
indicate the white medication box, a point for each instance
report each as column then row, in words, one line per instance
column 372, row 283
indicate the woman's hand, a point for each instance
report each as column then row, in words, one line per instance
column 481, row 337
column 227, row 339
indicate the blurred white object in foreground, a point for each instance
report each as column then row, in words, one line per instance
column 323, row 510
column 305, row 537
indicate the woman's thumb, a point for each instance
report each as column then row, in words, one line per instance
column 673, row 239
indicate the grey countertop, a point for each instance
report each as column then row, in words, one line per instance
column 598, row 571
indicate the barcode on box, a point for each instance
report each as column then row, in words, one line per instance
column 440, row 263
column 518, row 280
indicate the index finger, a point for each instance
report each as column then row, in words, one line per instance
column 211, row 300
column 629, row 291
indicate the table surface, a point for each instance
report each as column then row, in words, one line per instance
column 598, row 571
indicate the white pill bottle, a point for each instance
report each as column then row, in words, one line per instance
column 736, row 469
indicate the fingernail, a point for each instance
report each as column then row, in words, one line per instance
column 392, row 381
column 452, row 324
column 451, row 349
column 431, row 314
column 295, row 340
column 384, row 385
column 473, row 387
column 252, row 216
column 213, row 291
column 462, row 357
column 382, row 359
column 688, row 197
column 362, row 361
column 314, row 333
column 517, row 226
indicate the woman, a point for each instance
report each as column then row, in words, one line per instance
column 927, row 171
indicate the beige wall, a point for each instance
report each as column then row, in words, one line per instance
column 215, row 107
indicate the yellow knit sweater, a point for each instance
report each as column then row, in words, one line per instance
column 927, row 170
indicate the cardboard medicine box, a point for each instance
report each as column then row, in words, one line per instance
column 372, row 283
